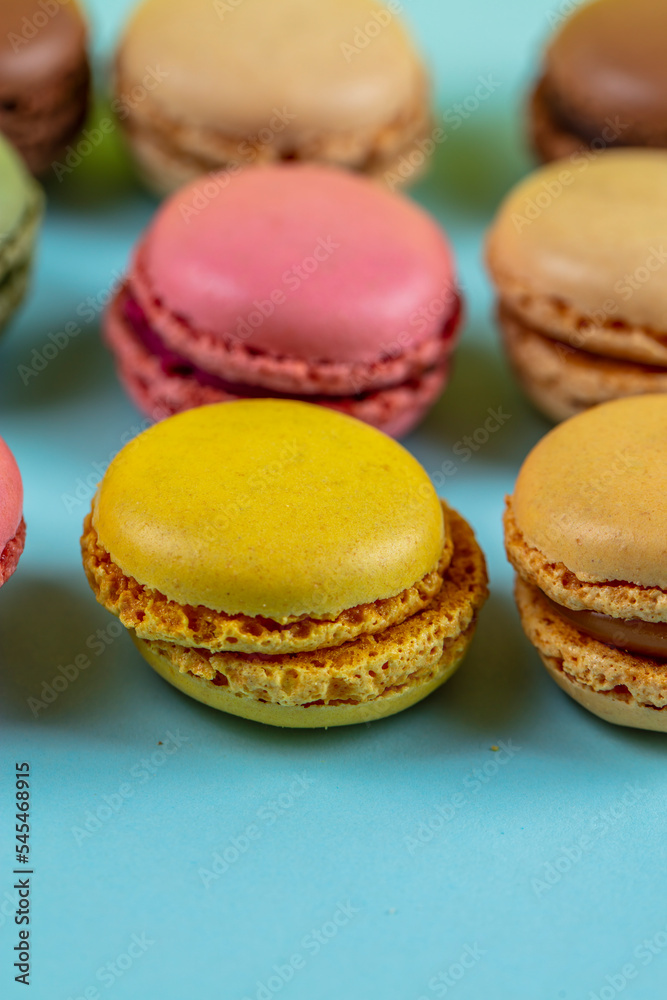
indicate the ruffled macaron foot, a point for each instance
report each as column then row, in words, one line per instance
column 624, row 688
column 394, row 653
column 561, row 380
column 12, row 525
column 9, row 558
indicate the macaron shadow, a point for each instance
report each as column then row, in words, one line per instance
column 463, row 409
column 642, row 741
column 55, row 671
column 551, row 716
column 495, row 687
column 31, row 380
column 475, row 167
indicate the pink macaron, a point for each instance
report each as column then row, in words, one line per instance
column 292, row 281
column 12, row 525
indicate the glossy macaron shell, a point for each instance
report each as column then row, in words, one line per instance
column 590, row 235
column 591, row 494
column 608, row 59
column 301, row 261
column 209, row 56
column 269, row 508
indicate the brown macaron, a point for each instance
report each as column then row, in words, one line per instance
column 604, row 80
column 586, row 531
column 44, row 77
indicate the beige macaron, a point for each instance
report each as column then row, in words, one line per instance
column 586, row 531
column 578, row 257
column 205, row 85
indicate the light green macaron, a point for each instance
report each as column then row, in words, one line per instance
column 21, row 203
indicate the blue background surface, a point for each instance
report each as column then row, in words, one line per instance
column 404, row 845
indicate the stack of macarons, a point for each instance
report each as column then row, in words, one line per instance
column 292, row 281
column 290, row 563
column 223, row 85
column 285, row 563
column 44, row 77
column 12, row 525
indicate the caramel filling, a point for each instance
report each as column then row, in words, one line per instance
column 629, row 634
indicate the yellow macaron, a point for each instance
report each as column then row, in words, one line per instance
column 285, row 563
column 586, row 530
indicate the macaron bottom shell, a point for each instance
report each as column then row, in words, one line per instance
column 370, row 677
column 299, row 716
column 160, row 387
column 561, row 380
column 618, row 686
column 169, row 155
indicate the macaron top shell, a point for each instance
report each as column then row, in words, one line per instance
column 11, row 496
column 38, row 44
column 592, row 233
column 269, row 508
column 591, row 494
column 18, row 191
column 608, row 59
column 229, row 63
column 299, row 260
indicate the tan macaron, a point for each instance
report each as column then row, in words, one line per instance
column 204, row 85
column 578, row 256
column 586, row 531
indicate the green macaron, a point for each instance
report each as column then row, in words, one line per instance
column 21, row 202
